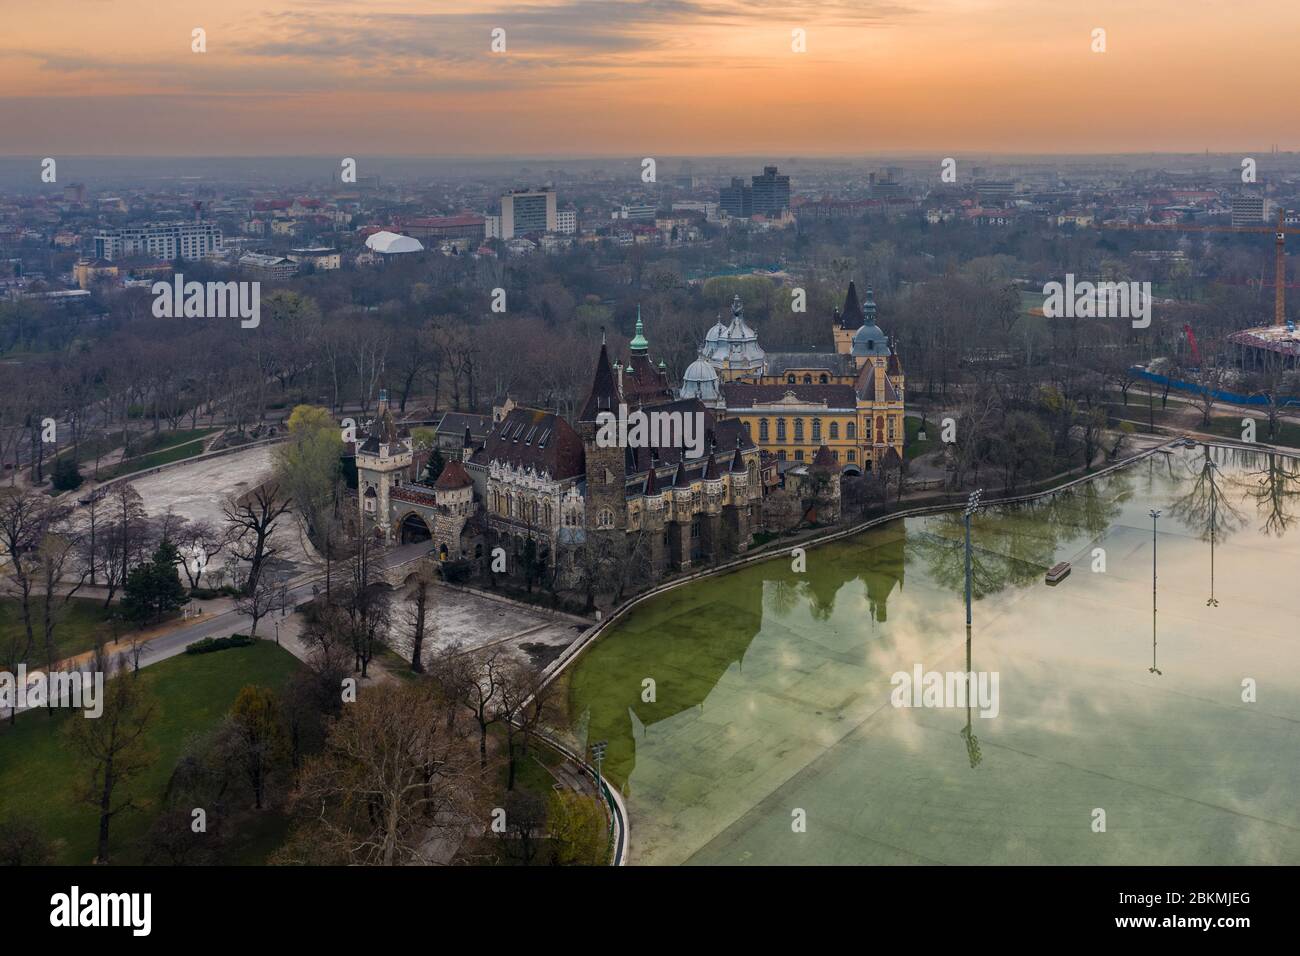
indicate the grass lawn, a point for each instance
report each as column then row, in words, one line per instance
column 77, row 623
column 1229, row 426
column 40, row 775
column 175, row 446
column 913, row 448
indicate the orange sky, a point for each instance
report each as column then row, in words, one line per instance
column 640, row 77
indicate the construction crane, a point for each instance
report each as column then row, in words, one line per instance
column 1191, row 340
column 1279, row 244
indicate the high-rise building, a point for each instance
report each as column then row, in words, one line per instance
column 159, row 240
column 525, row 211
column 994, row 190
column 771, row 192
column 566, row 221
column 1247, row 209
column 737, row 200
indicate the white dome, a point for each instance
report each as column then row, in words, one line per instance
column 700, row 381
column 719, row 331
column 390, row 243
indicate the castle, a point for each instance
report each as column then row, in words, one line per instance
column 805, row 418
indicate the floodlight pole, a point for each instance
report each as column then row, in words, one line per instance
column 1155, row 516
column 972, row 504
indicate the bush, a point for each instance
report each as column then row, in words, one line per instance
column 66, row 474
column 210, row 644
column 207, row 594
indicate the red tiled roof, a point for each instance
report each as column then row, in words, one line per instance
column 453, row 476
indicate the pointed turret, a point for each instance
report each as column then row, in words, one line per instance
column 711, row 469
column 737, row 460
column 651, row 484
column 680, row 480
column 604, row 392
column 850, row 317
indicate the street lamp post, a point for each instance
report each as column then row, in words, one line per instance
column 1155, row 516
column 598, row 752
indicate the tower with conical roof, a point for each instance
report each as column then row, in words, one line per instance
column 606, row 467
column 381, row 459
column 847, row 321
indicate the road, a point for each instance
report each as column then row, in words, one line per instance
column 233, row 622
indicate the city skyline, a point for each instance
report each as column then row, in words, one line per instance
column 580, row 78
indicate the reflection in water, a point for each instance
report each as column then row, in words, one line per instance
column 1155, row 517
column 1208, row 510
column 1015, row 546
column 1273, row 483
column 972, row 742
column 773, row 686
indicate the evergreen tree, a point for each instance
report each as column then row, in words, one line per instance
column 154, row 589
column 435, row 466
column 66, row 474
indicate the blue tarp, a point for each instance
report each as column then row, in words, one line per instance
column 1219, row 396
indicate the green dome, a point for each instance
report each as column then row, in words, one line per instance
column 639, row 343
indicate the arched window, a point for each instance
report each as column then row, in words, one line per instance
column 807, row 379
column 824, row 379
column 853, row 455
column 780, row 429
column 605, row 519
column 798, row 429
column 835, row 431
column 817, row 430
column 850, row 430
column 762, row 429
column 789, row 379
column 798, row 456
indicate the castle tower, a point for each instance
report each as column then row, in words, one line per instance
column 735, row 512
column 606, row 508
column 711, row 517
column 847, row 321
column 381, row 460
column 652, row 520
column 679, row 527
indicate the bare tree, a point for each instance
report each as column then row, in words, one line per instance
column 251, row 521
column 115, row 748
column 258, row 602
column 419, row 615
column 391, row 777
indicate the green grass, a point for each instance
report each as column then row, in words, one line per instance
column 77, row 623
column 913, row 448
column 176, row 451
column 40, row 776
column 1229, row 426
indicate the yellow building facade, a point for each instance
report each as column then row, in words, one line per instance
column 851, row 400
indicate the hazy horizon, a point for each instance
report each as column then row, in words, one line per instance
column 595, row 78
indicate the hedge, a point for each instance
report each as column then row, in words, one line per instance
column 210, row 644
